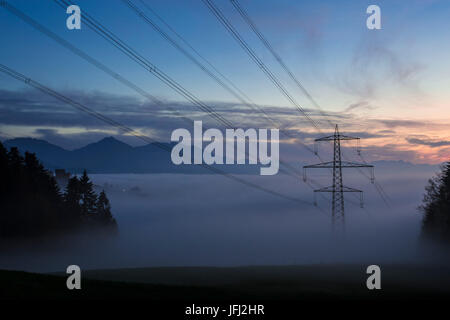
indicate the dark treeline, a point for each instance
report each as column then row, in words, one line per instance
column 31, row 203
column 436, row 207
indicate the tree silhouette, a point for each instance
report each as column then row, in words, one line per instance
column 104, row 211
column 4, row 172
column 88, row 196
column 72, row 198
column 31, row 203
column 436, row 207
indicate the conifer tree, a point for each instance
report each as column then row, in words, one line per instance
column 72, row 194
column 88, row 196
column 436, row 207
column 4, row 172
column 104, row 210
column 15, row 166
column 103, row 206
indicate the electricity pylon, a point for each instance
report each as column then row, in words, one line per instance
column 337, row 188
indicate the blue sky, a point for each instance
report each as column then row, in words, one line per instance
column 313, row 36
column 401, row 72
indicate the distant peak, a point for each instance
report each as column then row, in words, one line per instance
column 108, row 142
column 110, row 139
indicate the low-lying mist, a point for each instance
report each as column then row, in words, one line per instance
column 194, row 220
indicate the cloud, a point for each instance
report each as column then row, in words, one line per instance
column 359, row 105
column 376, row 66
column 390, row 152
column 50, row 119
column 429, row 143
column 28, row 108
column 385, row 132
column 32, row 114
column 392, row 123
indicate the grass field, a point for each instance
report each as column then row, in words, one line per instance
column 245, row 284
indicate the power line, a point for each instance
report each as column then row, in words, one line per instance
column 219, row 15
column 196, row 52
column 105, row 69
column 226, row 79
column 130, row 52
column 378, row 187
column 18, row 76
column 95, row 62
column 99, row 65
column 161, row 32
column 229, row 27
column 232, row 89
column 277, row 57
column 143, row 16
column 143, row 62
column 33, row 23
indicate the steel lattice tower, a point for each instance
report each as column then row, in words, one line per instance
column 337, row 188
column 337, row 206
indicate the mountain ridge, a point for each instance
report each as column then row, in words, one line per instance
column 110, row 155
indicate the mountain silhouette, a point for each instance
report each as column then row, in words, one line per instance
column 110, row 155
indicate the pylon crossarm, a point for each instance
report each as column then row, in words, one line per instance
column 320, row 165
column 343, row 164
column 325, row 189
column 331, row 189
column 350, row 164
column 342, row 137
column 339, row 137
column 328, row 138
column 348, row 189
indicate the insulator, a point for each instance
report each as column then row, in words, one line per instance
column 304, row 174
column 361, row 200
column 372, row 176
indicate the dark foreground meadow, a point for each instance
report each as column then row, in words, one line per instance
column 287, row 292
column 235, row 284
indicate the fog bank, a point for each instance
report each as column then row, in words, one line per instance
column 195, row 220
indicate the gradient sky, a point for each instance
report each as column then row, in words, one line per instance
column 391, row 84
